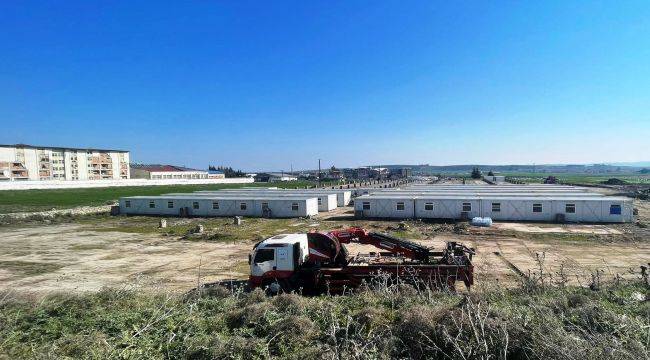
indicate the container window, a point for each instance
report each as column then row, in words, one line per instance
column 170, row 204
column 537, row 208
column 195, row 205
column 152, row 205
column 570, row 208
column 496, row 207
column 242, row 206
column 294, row 206
column 615, row 209
column 265, row 206
column 320, row 201
column 467, row 207
column 428, row 206
column 127, row 203
column 366, row 205
column 215, row 205
column 264, row 255
column 400, row 206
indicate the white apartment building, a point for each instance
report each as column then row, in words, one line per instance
column 27, row 162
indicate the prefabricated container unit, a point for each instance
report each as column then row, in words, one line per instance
column 575, row 209
column 343, row 196
column 484, row 194
column 502, row 186
column 278, row 207
column 326, row 201
column 394, row 207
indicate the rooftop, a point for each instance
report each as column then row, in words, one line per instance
column 26, row 146
column 161, row 168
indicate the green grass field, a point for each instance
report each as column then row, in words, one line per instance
column 40, row 200
column 580, row 178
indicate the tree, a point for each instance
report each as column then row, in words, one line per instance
column 228, row 171
column 476, row 173
column 490, row 173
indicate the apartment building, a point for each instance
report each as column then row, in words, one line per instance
column 28, row 162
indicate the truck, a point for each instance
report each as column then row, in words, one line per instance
column 318, row 262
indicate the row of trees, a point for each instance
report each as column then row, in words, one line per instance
column 228, row 171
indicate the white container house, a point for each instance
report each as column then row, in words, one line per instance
column 596, row 209
column 215, row 206
column 326, row 201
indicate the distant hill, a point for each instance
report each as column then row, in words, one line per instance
column 634, row 164
column 541, row 169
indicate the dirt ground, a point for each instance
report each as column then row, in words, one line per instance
column 86, row 256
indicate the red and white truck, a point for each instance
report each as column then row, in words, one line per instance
column 318, row 262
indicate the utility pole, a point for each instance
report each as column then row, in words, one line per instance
column 319, row 174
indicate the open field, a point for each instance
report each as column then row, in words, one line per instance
column 40, row 200
column 88, row 253
column 117, row 287
column 633, row 179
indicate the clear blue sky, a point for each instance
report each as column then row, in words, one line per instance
column 267, row 84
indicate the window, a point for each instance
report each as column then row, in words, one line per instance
column 400, row 206
column 467, row 207
column 365, row 205
column 152, row 204
column 496, row 207
column 570, row 208
column 320, row 201
column 215, row 205
column 294, row 206
column 242, row 206
column 615, row 209
column 170, row 204
column 127, row 203
column 195, row 205
column 264, row 255
column 428, row 206
column 537, row 208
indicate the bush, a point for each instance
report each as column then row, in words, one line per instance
column 377, row 323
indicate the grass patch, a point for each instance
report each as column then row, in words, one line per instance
column 577, row 178
column 216, row 229
column 46, row 199
column 376, row 323
column 29, row 268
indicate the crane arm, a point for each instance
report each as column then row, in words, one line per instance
column 386, row 242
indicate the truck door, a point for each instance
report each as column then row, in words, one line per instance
column 283, row 261
column 263, row 262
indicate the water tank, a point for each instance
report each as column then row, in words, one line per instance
column 482, row 221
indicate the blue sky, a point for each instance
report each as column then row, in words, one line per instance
column 269, row 84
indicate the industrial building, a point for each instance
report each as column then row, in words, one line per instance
column 166, row 172
column 28, row 162
column 216, row 206
column 517, row 203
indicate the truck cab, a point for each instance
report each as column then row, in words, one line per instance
column 277, row 258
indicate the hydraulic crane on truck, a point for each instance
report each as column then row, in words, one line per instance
column 318, row 262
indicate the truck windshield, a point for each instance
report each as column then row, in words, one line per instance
column 263, row 255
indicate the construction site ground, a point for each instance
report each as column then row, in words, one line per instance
column 91, row 252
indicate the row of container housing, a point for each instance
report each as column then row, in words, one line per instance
column 215, row 206
column 523, row 208
column 254, row 202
